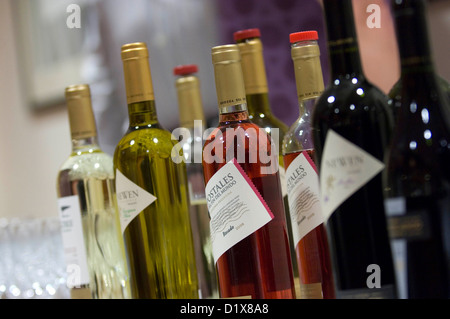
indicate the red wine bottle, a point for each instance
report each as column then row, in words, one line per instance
column 417, row 180
column 243, row 193
column 352, row 125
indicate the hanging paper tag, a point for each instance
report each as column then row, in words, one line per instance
column 303, row 196
column 344, row 169
column 235, row 206
column 131, row 199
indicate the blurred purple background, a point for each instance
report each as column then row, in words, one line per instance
column 276, row 20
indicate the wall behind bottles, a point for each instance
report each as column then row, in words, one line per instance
column 276, row 20
column 33, row 145
column 439, row 24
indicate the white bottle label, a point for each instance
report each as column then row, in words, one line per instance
column 131, row 199
column 303, row 196
column 73, row 241
column 235, row 206
column 344, row 169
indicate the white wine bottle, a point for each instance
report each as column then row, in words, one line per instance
column 152, row 195
column 192, row 119
column 93, row 247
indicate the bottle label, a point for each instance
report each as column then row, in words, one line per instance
column 131, row 199
column 395, row 209
column 73, row 241
column 303, row 196
column 385, row 292
column 235, row 206
column 412, row 226
column 310, row 291
column 344, row 169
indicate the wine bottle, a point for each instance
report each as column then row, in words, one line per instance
column 152, row 193
column 93, row 247
column 243, row 192
column 352, row 126
column 416, row 180
column 258, row 105
column 311, row 242
column 192, row 119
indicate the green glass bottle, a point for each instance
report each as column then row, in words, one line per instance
column 152, row 195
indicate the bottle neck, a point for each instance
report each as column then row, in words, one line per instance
column 85, row 144
column 412, row 37
column 308, row 74
column 237, row 113
column 83, row 130
column 342, row 39
column 139, row 89
column 258, row 104
column 307, row 108
column 229, row 79
column 189, row 100
column 254, row 72
column 142, row 114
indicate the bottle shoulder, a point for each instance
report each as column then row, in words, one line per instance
column 298, row 137
column 417, row 169
column 268, row 122
column 424, row 104
column 151, row 141
column 245, row 135
column 246, row 125
column 422, row 129
column 357, row 111
column 85, row 165
column 351, row 97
